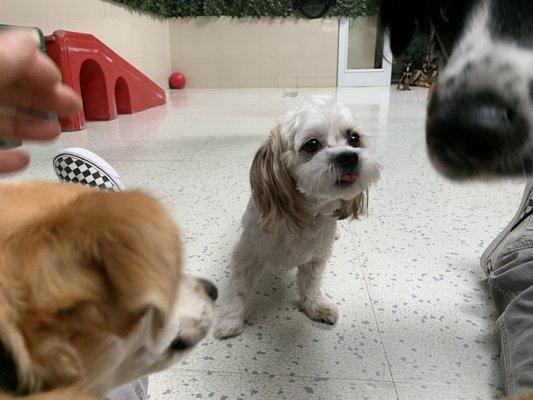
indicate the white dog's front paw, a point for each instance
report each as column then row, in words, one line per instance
column 227, row 327
column 321, row 311
column 337, row 233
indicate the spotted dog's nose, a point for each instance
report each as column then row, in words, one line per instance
column 472, row 129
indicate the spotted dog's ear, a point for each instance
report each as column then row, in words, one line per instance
column 399, row 18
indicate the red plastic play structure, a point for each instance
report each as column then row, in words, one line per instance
column 107, row 83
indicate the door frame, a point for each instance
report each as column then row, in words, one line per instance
column 361, row 77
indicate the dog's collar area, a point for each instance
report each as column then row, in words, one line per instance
column 8, row 371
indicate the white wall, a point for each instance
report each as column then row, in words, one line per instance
column 141, row 39
column 210, row 51
column 251, row 52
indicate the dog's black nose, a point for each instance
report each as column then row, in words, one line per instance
column 347, row 159
column 210, row 289
column 473, row 128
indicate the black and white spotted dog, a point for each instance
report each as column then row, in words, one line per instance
column 480, row 117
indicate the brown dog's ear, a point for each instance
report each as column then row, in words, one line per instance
column 136, row 246
column 273, row 189
column 354, row 208
column 110, row 255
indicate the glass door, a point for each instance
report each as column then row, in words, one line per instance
column 364, row 55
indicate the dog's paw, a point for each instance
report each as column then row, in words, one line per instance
column 337, row 233
column 227, row 327
column 321, row 311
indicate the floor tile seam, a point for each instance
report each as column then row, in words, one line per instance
column 378, row 327
column 300, row 376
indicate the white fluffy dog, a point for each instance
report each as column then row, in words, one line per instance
column 313, row 169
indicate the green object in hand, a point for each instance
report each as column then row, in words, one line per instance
column 12, row 143
column 9, row 143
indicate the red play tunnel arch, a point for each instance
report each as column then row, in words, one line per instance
column 93, row 91
column 122, row 96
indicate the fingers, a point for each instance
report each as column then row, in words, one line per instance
column 28, row 128
column 41, row 71
column 60, row 99
column 13, row 160
column 17, row 48
column 65, row 101
column 29, row 79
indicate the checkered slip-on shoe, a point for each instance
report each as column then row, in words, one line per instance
column 82, row 166
column 490, row 256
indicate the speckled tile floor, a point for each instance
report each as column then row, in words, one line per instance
column 416, row 317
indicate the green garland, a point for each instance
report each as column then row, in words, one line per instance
column 242, row 8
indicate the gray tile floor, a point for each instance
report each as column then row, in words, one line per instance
column 416, row 317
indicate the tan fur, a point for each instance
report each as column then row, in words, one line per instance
column 355, row 208
column 273, row 188
column 58, row 394
column 79, row 270
column 524, row 396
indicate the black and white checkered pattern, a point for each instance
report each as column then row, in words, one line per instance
column 70, row 168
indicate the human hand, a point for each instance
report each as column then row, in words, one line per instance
column 29, row 83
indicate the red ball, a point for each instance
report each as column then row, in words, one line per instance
column 177, row 80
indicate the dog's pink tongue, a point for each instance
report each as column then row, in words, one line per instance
column 349, row 178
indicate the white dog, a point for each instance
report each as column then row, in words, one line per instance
column 312, row 170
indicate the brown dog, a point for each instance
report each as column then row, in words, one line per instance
column 92, row 291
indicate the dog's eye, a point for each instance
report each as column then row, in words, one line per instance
column 179, row 345
column 353, row 139
column 311, row 146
